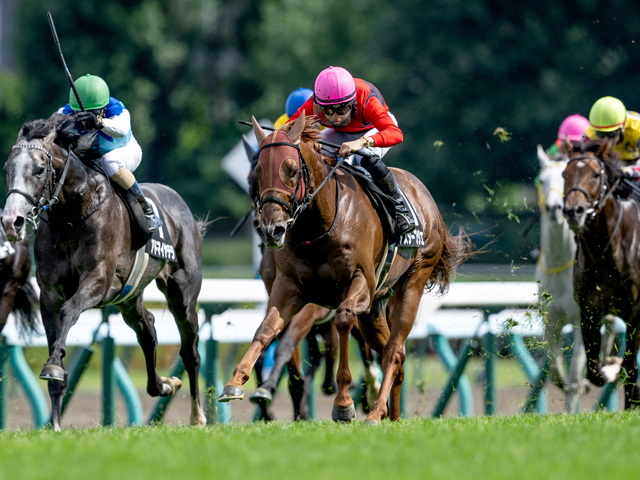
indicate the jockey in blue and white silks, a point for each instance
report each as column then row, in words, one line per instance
column 120, row 153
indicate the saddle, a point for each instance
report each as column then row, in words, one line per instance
column 385, row 206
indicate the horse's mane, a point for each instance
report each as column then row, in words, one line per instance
column 67, row 136
column 603, row 149
column 311, row 132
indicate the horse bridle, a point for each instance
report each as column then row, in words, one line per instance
column 40, row 203
column 596, row 203
column 295, row 206
column 298, row 206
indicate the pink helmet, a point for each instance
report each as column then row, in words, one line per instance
column 573, row 128
column 334, row 85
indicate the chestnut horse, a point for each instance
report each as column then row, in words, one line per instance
column 83, row 251
column 328, row 242
column 606, row 222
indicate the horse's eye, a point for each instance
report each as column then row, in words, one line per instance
column 39, row 171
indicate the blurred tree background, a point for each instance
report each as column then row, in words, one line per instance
column 452, row 72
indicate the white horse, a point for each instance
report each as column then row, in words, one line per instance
column 554, row 271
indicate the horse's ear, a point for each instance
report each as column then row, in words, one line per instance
column 567, row 146
column 296, row 130
column 542, row 157
column 257, row 130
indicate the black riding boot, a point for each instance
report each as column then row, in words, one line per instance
column 153, row 220
column 404, row 219
column 385, row 181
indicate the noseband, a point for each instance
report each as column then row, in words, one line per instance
column 40, row 203
column 596, row 203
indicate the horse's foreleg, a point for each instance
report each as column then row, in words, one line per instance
column 88, row 294
column 404, row 306
column 300, row 325
column 49, row 311
column 283, row 304
column 371, row 370
column 357, row 301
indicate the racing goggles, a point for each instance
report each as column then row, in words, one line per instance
column 338, row 109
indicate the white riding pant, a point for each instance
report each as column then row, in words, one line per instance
column 128, row 156
column 337, row 137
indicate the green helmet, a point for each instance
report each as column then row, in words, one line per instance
column 93, row 92
column 607, row 114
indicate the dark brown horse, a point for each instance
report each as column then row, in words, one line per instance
column 327, row 254
column 84, row 256
column 606, row 222
column 16, row 293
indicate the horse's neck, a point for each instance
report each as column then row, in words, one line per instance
column 77, row 193
column 597, row 239
column 557, row 243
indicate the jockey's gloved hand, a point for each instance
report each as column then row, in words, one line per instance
column 90, row 120
column 632, row 171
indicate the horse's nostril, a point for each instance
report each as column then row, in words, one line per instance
column 260, row 232
column 579, row 210
column 18, row 223
column 278, row 232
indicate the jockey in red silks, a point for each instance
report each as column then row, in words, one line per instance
column 356, row 116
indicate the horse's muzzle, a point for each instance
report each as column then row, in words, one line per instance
column 576, row 217
column 13, row 226
column 272, row 235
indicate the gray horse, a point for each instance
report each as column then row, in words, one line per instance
column 83, row 251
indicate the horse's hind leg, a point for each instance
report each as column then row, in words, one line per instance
column 141, row 321
column 181, row 300
column 296, row 386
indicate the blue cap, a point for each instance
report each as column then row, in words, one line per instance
column 296, row 99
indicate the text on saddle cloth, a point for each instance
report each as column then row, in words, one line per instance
column 160, row 244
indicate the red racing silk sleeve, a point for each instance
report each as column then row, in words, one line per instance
column 389, row 134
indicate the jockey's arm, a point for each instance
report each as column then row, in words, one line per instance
column 117, row 126
column 389, row 134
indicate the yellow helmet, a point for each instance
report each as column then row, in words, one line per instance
column 607, row 114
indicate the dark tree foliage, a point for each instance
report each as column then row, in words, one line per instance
column 452, row 72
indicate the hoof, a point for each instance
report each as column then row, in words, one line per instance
column 170, row 386
column 261, row 396
column 372, row 422
column 343, row 414
column 52, row 372
column 231, row 392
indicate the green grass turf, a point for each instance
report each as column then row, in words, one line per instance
column 602, row 445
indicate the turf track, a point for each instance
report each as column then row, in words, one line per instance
column 583, row 446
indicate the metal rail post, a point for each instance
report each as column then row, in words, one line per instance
column 463, row 385
column 4, row 381
column 76, row 369
column 108, row 382
column 454, row 378
column 490, row 374
column 31, row 388
column 129, row 392
column 537, row 397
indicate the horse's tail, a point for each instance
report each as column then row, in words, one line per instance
column 202, row 224
column 456, row 250
column 25, row 307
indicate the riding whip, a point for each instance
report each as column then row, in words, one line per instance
column 55, row 38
